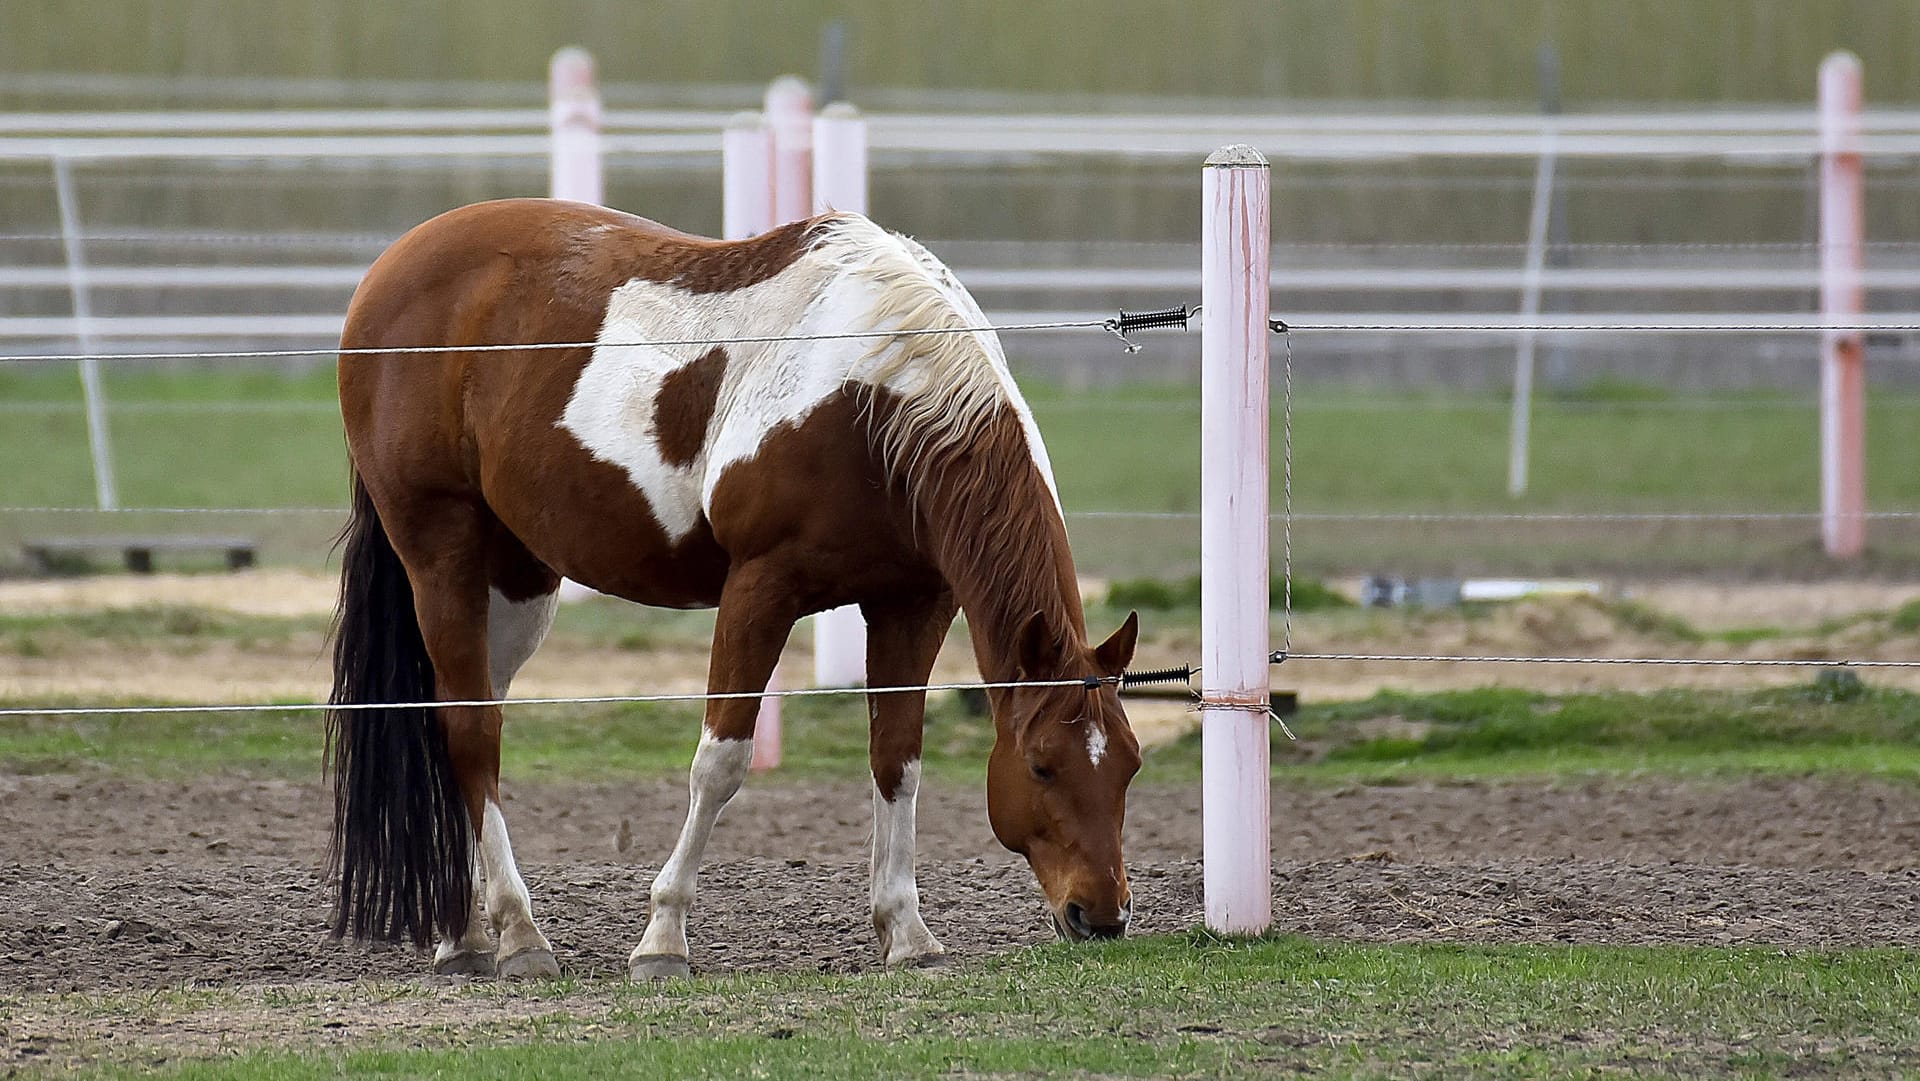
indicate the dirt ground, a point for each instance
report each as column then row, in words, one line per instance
column 114, row 883
column 117, row 884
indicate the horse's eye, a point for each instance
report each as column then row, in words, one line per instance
column 1040, row 773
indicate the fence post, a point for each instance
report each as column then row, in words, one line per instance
column 106, row 493
column 1234, row 252
column 573, row 162
column 790, row 116
column 746, row 163
column 1843, row 377
column 839, row 183
column 573, row 110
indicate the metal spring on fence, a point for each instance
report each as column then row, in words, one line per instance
column 1127, row 322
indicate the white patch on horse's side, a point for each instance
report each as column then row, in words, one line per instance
column 856, row 277
column 1096, row 742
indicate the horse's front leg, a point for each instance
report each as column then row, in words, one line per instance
column 902, row 641
column 756, row 614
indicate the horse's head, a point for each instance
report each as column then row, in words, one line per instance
column 1057, row 780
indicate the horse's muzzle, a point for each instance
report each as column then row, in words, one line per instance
column 1070, row 922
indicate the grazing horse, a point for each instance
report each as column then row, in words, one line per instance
column 900, row 472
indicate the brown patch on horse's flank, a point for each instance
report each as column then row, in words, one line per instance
column 685, row 405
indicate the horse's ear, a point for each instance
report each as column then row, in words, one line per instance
column 1116, row 653
column 1039, row 649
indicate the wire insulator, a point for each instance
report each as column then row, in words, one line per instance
column 1127, row 322
column 1179, row 674
column 1172, row 317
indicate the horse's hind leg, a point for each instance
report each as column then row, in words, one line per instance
column 903, row 639
column 448, row 564
column 756, row 614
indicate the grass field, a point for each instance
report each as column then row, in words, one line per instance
column 1188, row 1007
column 274, row 441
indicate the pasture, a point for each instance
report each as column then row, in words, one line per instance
column 253, row 438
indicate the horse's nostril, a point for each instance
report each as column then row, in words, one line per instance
column 1077, row 921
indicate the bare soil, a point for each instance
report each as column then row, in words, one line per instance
column 116, row 884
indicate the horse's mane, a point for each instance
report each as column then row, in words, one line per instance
column 955, row 431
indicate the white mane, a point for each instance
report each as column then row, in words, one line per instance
column 949, row 384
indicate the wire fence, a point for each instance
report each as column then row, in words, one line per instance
column 1120, row 328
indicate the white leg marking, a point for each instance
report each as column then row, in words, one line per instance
column 509, row 907
column 895, row 895
column 514, row 630
column 718, row 768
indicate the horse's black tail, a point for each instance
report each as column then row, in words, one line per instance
column 402, row 848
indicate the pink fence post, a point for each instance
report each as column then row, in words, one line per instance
column 1843, row 375
column 746, row 164
column 573, row 105
column 839, row 144
column 1235, row 644
column 790, row 116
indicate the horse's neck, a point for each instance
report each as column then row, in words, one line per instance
column 1000, row 542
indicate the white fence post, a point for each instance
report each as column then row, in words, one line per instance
column 1234, row 252
column 573, row 109
column 106, row 493
column 746, row 210
column 839, row 183
column 1843, row 377
column 790, row 116
column 573, row 162
column 746, row 161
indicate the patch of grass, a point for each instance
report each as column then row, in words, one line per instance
column 1827, row 725
column 179, row 628
column 1159, row 594
column 1193, row 1005
column 1906, row 618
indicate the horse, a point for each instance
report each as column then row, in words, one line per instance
column 899, row 471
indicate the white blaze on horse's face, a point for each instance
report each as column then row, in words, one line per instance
column 1057, row 794
column 856, row 277
column 1096, row 744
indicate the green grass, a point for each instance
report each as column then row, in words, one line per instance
column 1609, row 450
column 1172, row 1006
column 1830, row 724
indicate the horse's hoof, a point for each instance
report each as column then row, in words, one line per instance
column 936, row 959
column 464, row 963
column 658, row 966
column 531, row 963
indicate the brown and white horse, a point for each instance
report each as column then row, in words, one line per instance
column 901, row 473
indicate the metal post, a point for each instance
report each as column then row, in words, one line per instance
column 790, row 115
column 1521, row 425
column 839, row 182
column 573, row 105
column 1234, row 252
column 1843, row 377
column 105, row 493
